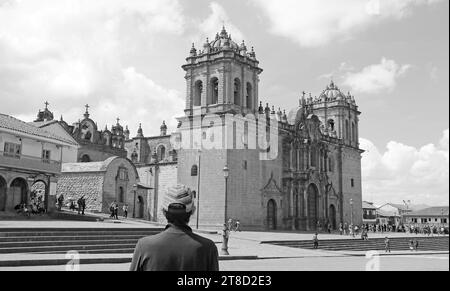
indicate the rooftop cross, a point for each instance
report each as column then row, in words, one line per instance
column 46, row 104
column 87, row 107
column 118, row 119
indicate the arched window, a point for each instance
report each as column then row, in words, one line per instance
column 313, row 158
column 161, row 153
column 347, row 130
column 237, row 91
column 194, row 171
column 249, row 96
column 214, row 91
column 353, row 132
column 121, row 197
column 198, row 89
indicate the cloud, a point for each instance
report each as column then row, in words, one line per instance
column 312, row 23
column 213, row 24
column 376, row 78
column 73, row 52
column 403, row 172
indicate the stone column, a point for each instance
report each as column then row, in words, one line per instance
column 291, row 204
column 306, row 209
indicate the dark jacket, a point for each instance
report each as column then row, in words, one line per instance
column 175, row 249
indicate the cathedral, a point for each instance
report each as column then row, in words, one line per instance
column 94, row 145
column 314, row 179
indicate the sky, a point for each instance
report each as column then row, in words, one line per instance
column 124, row 59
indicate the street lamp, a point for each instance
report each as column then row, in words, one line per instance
column 134, row 201
column 226, row 230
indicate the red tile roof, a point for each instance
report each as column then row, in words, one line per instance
column 14, row 124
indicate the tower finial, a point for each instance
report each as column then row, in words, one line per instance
column 86, row 114
column 46, row 105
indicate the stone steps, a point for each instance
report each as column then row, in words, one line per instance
column 58, row 240
column 425, row 243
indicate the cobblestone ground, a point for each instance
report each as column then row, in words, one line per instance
column 392, row 263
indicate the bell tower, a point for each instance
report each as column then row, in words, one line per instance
column 339, row 114
column 222, row 77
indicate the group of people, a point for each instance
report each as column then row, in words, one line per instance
column 114, row 210
column 427, row 229
column 35, row 207
column 234, row 225
column 80, row 205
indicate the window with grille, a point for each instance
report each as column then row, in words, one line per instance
column 46, row 156
column 12, row 150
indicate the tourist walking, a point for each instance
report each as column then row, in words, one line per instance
column 316, row 241
column 116, row 211
column 177, row 248
column 79, row 205
column 83, row 205
column 238, row 226
column 111, row 209
column 416, row 244
column 387, row 245
column 125, row 211
column 60, row 202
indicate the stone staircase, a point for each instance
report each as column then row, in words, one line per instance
column 435, row 243
column 84, row 241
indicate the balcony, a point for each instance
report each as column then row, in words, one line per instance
column 29, row 163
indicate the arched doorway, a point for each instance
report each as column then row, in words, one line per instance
column 332, row 216
column 85, row 159
column 3, row 188
column 19, row 191
column 37, row 193
column 313, row 206
column 140, row 213
column 272, row 215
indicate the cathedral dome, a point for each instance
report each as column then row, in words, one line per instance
column 332, row 92
column 295, row 115
column 223, row 40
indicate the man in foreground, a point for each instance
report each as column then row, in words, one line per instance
column 177, row 248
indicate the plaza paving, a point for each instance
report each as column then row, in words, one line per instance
column 241, row 245
column 390, row 263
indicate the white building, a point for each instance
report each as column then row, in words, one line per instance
column 30, row 161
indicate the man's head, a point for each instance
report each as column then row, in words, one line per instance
column 178, row 204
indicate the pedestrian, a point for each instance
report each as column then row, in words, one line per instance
column 116, row 211
column 111, row 209
column 60, row 202
column 238, row 226
column 387, row 245
column 416, row 244
column 329, row 227
column 411, row 245
column 341, row 229
column 83, row 205
column 316, row 241
column 125, row 211
column 79, row 205
column 177, row 248
column 230, row 224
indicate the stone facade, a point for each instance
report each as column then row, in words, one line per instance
column 102, row 183
column 156, row 163
column 308, row 177
column 315, row 177
column 94, row 145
